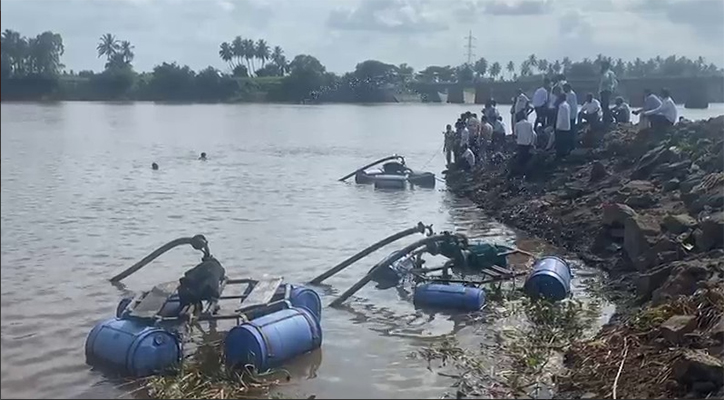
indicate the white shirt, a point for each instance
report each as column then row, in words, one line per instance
column 486, row 130
column 667, row 109
column 465, row 136
column 652, row 102
column 572, row 101
column 473, row 124
column 521, row 103
column 591, row 107
column 525, row 134
column 552, row 100
column 492, row 113
column 540, row 97
column 563, row 121
column 469, row 157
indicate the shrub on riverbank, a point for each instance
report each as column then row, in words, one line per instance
column 648, row 208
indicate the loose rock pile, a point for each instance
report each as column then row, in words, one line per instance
column 648, row 208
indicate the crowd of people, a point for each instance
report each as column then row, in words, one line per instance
column 558, row 120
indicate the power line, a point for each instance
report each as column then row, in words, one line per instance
column 470, row 46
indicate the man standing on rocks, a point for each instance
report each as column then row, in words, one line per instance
column 572, row 100
column 539, row 102
column 607, row 88
column 563, row 135
column 590, row 111
column 525, row 138
column 664, row 115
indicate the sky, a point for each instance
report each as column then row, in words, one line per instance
column 342, row 33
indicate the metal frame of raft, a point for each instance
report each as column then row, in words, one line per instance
column 391, row 179
column 149, row 330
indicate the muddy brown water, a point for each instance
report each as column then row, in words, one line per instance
column 81, row 203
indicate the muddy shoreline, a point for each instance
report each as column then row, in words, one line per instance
column 646, row 207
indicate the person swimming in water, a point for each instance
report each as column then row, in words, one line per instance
column 154, row 166
column 203, row 156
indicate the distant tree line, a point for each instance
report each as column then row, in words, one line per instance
column 32, row 69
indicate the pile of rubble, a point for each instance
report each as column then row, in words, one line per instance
column 646, row 206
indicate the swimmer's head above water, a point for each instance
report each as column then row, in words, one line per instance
column 154, row 166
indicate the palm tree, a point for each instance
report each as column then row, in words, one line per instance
column 566, row 64
column 226, row 54
column 248, row 51
column 481, row 66
column 277, row 57
column 511, row 68
column 556, row 67
column 525, row 68
column 495, row 69
column 126, row 51
column 262, row 51
column 107, row 46
column 543, row 65
column 532, row 61
column 238, row 50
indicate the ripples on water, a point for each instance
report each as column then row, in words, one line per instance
column 80, row 203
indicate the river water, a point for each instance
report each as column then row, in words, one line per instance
column 81, row 203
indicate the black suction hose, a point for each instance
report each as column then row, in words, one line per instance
column 384, row 263
column 384, row 242
column 392, row 157
column 198, row 242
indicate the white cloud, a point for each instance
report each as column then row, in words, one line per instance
column 343, row 33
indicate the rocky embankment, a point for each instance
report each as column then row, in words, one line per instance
column 648, row 208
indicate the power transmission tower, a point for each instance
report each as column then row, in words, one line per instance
column 470, row 46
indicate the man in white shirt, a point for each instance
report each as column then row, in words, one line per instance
column 525, row 138
column 572, row 100
column 539, row 102
column 552, row 105
column 467, row 161
column 621, row 111
column 590, row 111
column 473, row 124
column 564, row 136
column 490, row 110
column 651, row 102
column 663, row 116
column 498, row 140
column 521, row 105
column 464, row 137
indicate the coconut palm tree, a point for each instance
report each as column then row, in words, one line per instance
column 511, row 68
column 107, row 46
column 248, row 51
column 227, row 54
column 262, row 51
column 238, row 50
column 495, row 70
column 126, row 51
column 543, row 65
column 532, row 61
column 277, row 57
column 481, row 66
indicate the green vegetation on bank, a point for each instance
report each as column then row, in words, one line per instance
column 32, row 70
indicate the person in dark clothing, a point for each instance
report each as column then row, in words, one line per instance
column 154, row 166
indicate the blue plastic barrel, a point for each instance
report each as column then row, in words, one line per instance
column 269, row 341
column 550, row 279
column 308, row 299
column 131, row 347
column 453, row 297
column 384, row 181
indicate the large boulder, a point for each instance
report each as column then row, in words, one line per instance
column 671, row 184
column 616, row 214
column 598, row 172
column 651, row 160
column 671, row 170
column 699, row 371
column 652, row 280
column 686, row 277
column 709, row 192
column 679, row 223
column 640, row 234
column 711, row 233
column 674, row 328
